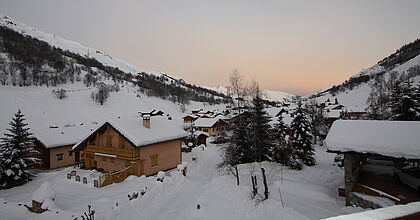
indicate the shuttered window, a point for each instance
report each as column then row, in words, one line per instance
column 154, row 160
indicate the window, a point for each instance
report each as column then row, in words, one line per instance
column 70, row 153
column 111, row 160
column 206, row 130
column 59, row 156
column 154, row 160
column 104, row 159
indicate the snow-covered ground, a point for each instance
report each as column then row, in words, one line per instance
column 307, row 194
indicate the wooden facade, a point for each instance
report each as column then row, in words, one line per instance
column 109, row 151
column 217, row 129
column 55, row 157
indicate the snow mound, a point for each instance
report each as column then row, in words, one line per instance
column 44, row 192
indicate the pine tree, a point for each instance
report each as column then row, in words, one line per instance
column 262, row 146
column 403, row 103
column 301, row 137
column 17, row 153
column 281, row 150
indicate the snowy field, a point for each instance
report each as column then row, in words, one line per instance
column 307, row 194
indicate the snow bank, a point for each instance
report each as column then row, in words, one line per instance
column 383, row 213
column 398, row 139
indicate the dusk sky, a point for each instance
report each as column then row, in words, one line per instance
column 293, row 46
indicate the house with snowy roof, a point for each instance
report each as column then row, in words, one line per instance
column 190, row 118
column 136, row 146
column 55, row 144
column 213, row 126
column 374, row 151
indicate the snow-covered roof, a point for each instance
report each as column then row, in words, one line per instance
column 399, row 139
column 390, row 212
column 160, row 130
column 198, row 133
column 64, row 135
column 207, row 122
column 333, row 113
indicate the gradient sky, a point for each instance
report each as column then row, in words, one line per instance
column 294, row 46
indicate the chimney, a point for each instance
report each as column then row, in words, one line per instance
column 146, row 121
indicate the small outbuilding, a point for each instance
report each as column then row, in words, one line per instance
column 373, row 151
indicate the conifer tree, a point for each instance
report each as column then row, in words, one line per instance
column 262, row 146
column 301, row 137
column 403, row 103
column 282, row 151
column 17, row 153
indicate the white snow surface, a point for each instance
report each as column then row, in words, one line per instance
column 398, row 139
column 382, row 213
column 307, row 194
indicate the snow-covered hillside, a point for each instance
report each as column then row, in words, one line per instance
column 71, row 46
column 43, row 110
column 355, row 99
column 270, row 95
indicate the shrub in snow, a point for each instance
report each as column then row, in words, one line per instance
column 17, row 153
column 60, row 94
column 43, row 198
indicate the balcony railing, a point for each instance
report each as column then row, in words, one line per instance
column 111, row 150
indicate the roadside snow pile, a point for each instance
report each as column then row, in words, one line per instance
column 45, row 195
column 397, row 139
column 390, row 212
column 382, row 201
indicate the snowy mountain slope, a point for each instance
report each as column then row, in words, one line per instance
column 270, row 95
column 31, row 57
column 71, row 46
column 354, row 92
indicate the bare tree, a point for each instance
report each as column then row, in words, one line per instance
column 237, row 88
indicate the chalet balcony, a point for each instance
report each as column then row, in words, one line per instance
column 127, row 153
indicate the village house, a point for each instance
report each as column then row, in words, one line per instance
column 375, row 154
column 136, row 146
column 151, row 113
column 190, row 118
column 213, row 126
column 55, row 144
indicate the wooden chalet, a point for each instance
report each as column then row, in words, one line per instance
column 190, row 118
column 132, row 147
column 151, row 113
column 213, row 126
column 55, row 145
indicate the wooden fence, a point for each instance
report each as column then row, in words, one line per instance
column 115, row 177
